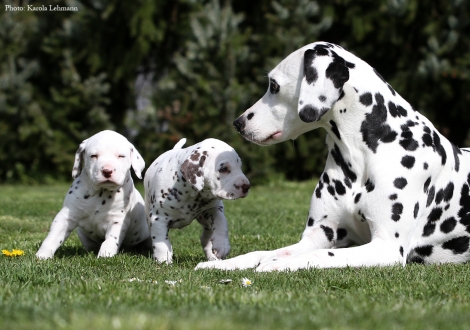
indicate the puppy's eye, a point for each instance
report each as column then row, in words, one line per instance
column 122, row 156
column 94, row 156
column 223, row 169
column 274, row 86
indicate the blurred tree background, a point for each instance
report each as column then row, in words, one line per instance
column 160, row 70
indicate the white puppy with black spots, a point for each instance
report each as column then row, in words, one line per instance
column 393, row 187
column 186, row 184
column 102, row 202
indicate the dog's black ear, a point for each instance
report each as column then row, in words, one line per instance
column 193, row 170
column 78, row 163
column 322, row 84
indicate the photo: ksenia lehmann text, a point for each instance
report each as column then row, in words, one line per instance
column 40, row 8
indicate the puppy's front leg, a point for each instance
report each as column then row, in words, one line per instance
column 214, row 238
column 114, row 237
column 60, row 230
column 162, row 250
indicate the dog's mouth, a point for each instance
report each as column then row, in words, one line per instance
column 270, row 139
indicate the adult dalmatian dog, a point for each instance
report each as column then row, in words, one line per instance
column 102, row 202
column 186, row 184
column 393, row 186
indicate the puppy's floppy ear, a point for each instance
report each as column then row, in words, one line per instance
column 322, row 84
column 78, row 163
column 137, row 162
column 193, row 170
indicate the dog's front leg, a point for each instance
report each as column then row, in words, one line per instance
column 60, row 230
column 214, row 238
column 376, row 253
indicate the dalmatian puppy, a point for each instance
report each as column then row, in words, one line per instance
column 102, row 202
column 393, row 187
column 186, row 184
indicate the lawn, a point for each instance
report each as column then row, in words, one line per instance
column 76, row 290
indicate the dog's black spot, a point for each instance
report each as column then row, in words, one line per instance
column 456, row 152
column 366, row 99
column 393, row 197
column 310, row 222
column 416, row 209
column 426, row 184
column 369, row 185
column 396, row 111
column 431, row 194
column 357, row 198
column 328, row 232
column 326, row 178
column 407, row 142
column 424, row 251
column 425, row 166
column 331, row 254
column 397, row 235
column 331, row 190
column 341, row 233
column 339, row 160
column 457, row 245
column 334, row 129
column 375, row 128
column 322, row 98
column 397, row 210
column 339, row 187
column 435, row 214
column 401, row 251
column 400, row 183
column 428, row 229
column 448, row 225
column 408, row 161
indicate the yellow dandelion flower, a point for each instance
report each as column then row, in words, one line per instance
column 13, row 253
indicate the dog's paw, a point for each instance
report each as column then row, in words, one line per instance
column 108, row 249
column 220, row 248
column 44, row 254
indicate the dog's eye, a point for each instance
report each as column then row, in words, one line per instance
column 94, row 156
column 223, row 169
column 122, row 156
column 274, row 86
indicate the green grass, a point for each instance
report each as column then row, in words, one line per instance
column 76, row 290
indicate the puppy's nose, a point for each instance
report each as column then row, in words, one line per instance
column 107, row 172
column 239, row 124
column 245, row 187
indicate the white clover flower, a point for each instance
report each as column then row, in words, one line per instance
column 246, row 282
column 172, row 283
column 135, row 279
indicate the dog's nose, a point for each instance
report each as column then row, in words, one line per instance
column 239, row 124
column 245, row 187
column 107, row 172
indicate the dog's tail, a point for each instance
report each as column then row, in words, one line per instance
column 180, row 144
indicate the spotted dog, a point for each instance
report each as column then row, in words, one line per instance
column 186, row 184
column 393, row 186
column 102, row 202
